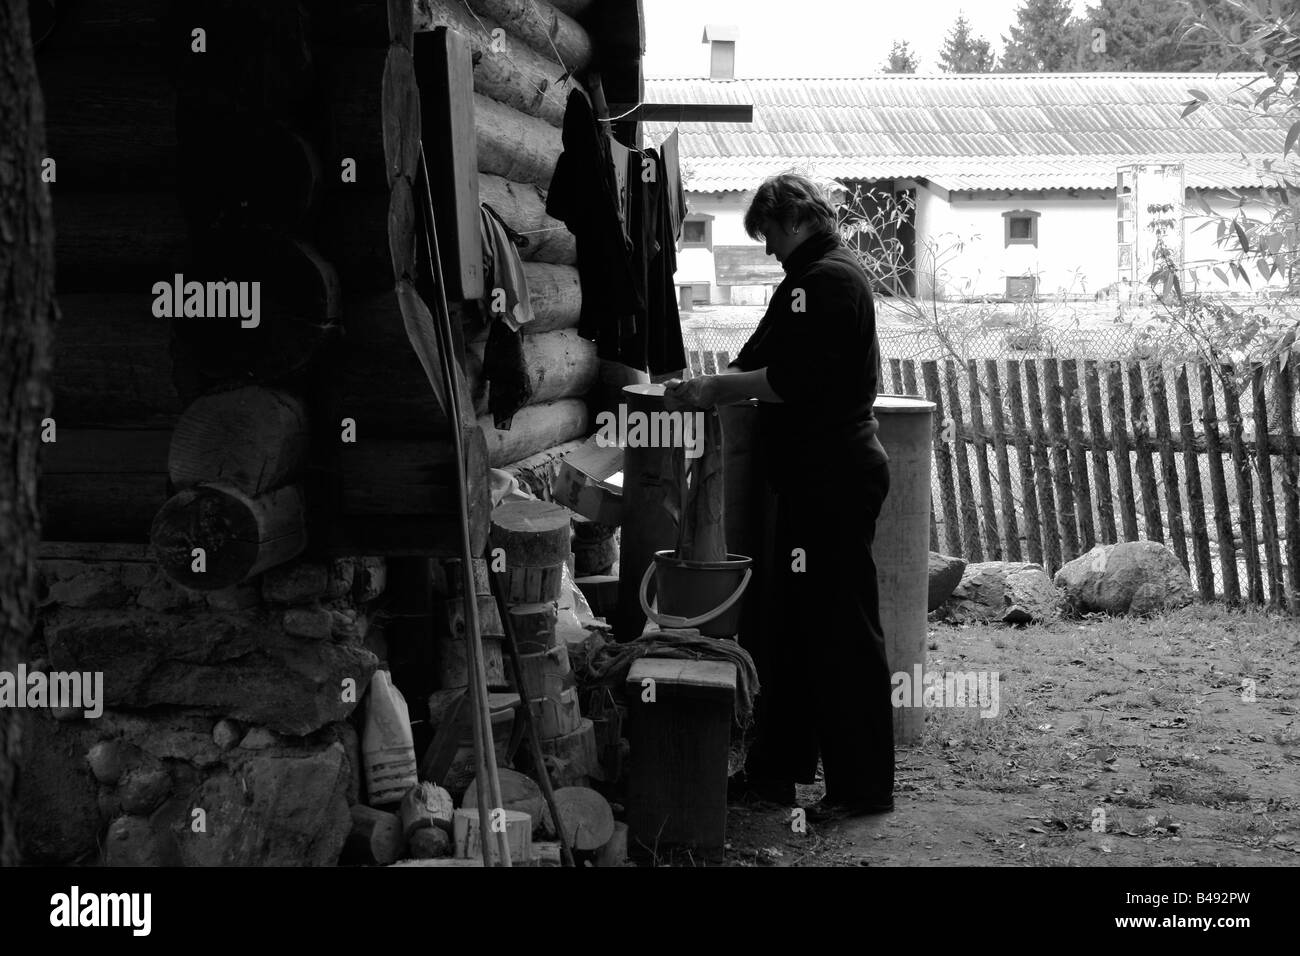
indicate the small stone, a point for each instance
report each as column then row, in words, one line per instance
column 107, row 762
column 131, row 841
column 226, row 733
column 160, row 593
column 348, row 625
column 314, row 623
column 298, row 583
column 259, row 738
column 429, row 844
column 239, row 598
column 342, row 575
column 370, row 578
column 143, row 789
column 94, row 588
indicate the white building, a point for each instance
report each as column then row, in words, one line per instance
column 1011, row 178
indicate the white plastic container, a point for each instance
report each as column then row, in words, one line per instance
column 387, row 746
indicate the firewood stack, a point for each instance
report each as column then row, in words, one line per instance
column 531, row 542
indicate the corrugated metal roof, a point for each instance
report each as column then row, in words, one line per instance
column 973, row 131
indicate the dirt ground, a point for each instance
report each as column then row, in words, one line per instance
column 1143, row 720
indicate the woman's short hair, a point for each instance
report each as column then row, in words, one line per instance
column 789, row 197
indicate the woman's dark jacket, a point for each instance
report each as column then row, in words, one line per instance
column 818, row 343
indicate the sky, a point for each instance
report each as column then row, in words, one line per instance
column 825, row 38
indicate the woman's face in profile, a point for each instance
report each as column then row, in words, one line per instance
column 781, row 240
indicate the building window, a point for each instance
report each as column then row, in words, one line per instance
column 1021, row 288
column 697, row 232
column 1020, row 227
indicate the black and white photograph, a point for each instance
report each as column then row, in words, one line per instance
column 648, row 434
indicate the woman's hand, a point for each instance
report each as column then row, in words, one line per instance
column 699, row 392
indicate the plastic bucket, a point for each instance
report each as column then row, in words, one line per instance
column 699, row 594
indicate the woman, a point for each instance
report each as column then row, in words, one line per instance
column 814, row 366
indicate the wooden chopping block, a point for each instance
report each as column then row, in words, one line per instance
column 376, row 836
column 545, row 674
column 534, row 626
column 448, row 578
column 518, row 792
column 585, row 816
column 425, row 805
column 489, row 618
column 519, row 834
column 453, row 668
column 533, row 534
column 577, row 751
column 601, row 592
column 529, row 585
column 557, row 716
column 614, row 853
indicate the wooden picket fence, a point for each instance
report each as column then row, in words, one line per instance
column 1078, row 448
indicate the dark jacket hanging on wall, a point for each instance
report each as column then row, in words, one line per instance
column 629, row 308
column 584, row 196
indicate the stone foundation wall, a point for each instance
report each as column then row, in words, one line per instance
column 225, row 736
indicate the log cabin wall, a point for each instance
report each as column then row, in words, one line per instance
column 218, row 155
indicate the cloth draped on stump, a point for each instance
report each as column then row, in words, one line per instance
column 610, row 663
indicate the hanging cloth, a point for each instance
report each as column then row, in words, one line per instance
column 507, row 307
column 673, row 181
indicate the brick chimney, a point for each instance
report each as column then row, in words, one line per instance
column 722, row 50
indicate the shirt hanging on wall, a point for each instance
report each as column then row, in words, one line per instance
column 619, row 162
column 508, row 308
column 629, row 308
column 584, row 196
column 673, row 181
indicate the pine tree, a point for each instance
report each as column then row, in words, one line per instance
column 1156, row 36
column 1043, row 39
column 902, row 59
column 964, row 53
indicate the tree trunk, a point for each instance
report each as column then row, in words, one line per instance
column 27, row 304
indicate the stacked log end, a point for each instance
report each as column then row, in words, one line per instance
column 239, row 510
column 531, row 541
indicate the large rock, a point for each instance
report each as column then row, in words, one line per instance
column 58, row 806
column 1005, row 592
column 945, row 575
column 283, row 806
column 1134, row 577
column 240, row 666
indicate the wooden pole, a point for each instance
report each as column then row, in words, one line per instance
column 980, row 441
column 1168, row 463
column 1065, row 516
column 943, row 461
column 1100, row 466
column 1142, row 442
column 1020, row 434
column 1195, row 498
column 1119, row 439
column 1010, row 526
column 1219, row 490
column 1043, row 472
column 970, row 527
column 483, row 738
column 1245, row 497
column 1073, row 400
column 1290, row 452
column 1267, row 506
